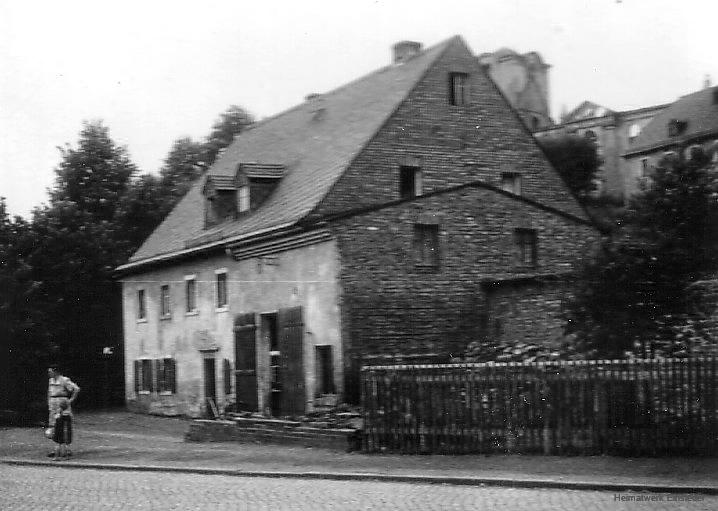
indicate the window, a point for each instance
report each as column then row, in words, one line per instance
column 633, row 131
column 243, row 199
column 409, row 182
column 165, row 310
column 221, row 288
column 155, row 376
column 141, row 305
column 458, row 89
column 190, row 294
column 526, row 247
column 166, row 375
column 325, row 370
column 676, row 127
column 511, row 182
column 426, row 245
column 146, row 376
column 591, row 135
column 535, row 123
column 644, row 167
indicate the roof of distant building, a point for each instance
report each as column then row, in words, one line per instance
column 698, row 110
column 586, row 110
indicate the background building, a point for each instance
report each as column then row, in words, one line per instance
column 688, row 124
column 523, row 80
column 614, row 133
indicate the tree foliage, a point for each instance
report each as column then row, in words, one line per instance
column 576, row 159
column 634, row 295
column 58, row 298
column 231, row 123
column 23, row 338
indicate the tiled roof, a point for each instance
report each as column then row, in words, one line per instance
column 222, row 182
column 314, row 150
column 265, row 170
column 699, row 109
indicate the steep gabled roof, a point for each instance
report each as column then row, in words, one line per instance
column 313, row 149
column 699, row 110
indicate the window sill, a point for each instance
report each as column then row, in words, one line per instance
column 166, row 393
column 222, row 309
column 144, row 392
column 166, row 318
column 192, row 313
column 141, row 320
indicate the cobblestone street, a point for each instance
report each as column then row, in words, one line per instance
column 40, row 488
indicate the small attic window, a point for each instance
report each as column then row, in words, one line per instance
column 409, row 182
column 458, row 89
column 676, row 127
column 243, row 196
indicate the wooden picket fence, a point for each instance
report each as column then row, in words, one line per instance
column 626, row 407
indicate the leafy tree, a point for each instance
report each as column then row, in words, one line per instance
column 183, row 165
column 95, row 174
column 140, row 210
column 80, row 240
column 635, row 294
column 232, row 122
column 22, row 334
column 576, row 159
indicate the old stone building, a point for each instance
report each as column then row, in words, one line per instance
column 614, row 133
column 689, row 123
column 523, row 79
column 397, row 217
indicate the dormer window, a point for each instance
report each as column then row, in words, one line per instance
column 228, row 197
column 458, row 89
column 243, row 199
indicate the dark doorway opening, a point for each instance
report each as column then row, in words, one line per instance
column 270, row 331
column 210, row 387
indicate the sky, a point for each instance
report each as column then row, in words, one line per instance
column 154, row 71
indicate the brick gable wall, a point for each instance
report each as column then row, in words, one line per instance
column 392, row 307
column 453, row 145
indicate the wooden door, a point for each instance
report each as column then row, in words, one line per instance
column 291, row 347
column 245, row 362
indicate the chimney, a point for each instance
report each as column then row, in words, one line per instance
column 316, row 105
column 405, row 50
column 706, row 81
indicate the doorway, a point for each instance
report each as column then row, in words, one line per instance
column 210, row 386
column 270, row 337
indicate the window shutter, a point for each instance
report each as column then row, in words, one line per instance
column 291, row 346
column 138, row 384
column 227, row 377
column 172, row 375
column 156, row 376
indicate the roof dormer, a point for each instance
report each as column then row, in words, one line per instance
column 220, row 199
column 228, row 197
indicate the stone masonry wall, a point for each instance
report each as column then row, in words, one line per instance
column 390, row 306
column 452, row 145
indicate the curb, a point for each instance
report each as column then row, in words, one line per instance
column 362, row 476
